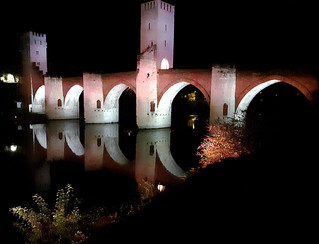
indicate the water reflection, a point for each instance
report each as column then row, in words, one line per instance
column 61, row 140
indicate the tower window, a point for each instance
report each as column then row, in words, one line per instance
column 37, row 52
column 98, row 104
column 165, row 27
column 164, row 64
column 152, row 106
column 152, row 150
column 165, row 43
column 98, row 141
column 149, row 26
column 59, row 103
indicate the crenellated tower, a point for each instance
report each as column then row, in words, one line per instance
column 35, row 50
column 34, row 67
column 157, row 28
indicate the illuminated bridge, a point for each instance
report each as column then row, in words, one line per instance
column 228, row 91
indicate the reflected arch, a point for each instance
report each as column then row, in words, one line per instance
column 111, row 143
column 41, row 134
column 73, row 140
column 165, row 155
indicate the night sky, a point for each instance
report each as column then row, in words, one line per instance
column 103, row 36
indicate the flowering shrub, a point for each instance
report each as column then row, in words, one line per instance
column 224, row 140
column 62, row 225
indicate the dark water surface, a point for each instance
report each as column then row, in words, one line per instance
column 105, row 163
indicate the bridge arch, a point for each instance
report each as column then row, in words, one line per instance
column 168, row 95
column 71, row 102
column 111, row 104
column 177, row 86
column 250, row 93
column 73, row 95
column 38, row 105
column 112, row 98
column 169, row 92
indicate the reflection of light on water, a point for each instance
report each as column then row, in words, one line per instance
column 191, row 121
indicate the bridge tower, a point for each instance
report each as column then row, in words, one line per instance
column 35, row 50
column 157, row 28
column 34, row 67
column 157, row 47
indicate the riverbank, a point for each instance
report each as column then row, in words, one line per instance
column 252, row 199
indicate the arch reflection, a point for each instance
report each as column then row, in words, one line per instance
column 153, row 159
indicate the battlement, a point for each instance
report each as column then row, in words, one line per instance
column 158, row 4
column 37, row 35
column 166, row 6
column 148, row 5
column 224, row 69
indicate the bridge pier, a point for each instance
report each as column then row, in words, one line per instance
column 56, row 106
column 54, row 97
column 146, row 92
column 223, row 89
column 93, row 98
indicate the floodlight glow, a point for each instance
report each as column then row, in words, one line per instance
column 13, row 148
column 8, row 78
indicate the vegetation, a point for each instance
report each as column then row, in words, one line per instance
column 62, row 225
column 224, row 140
column 66, row 224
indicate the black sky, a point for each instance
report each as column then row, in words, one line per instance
column 103, row 36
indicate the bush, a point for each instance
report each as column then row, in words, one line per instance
column 224, row 140
column 62, row 225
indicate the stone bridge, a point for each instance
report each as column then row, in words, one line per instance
column 227, row 91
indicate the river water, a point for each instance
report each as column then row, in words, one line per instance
column 106, row 164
